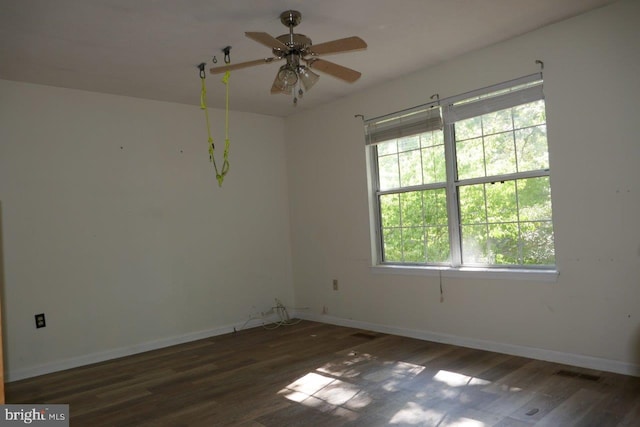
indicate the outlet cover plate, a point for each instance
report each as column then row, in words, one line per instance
column 40, row 321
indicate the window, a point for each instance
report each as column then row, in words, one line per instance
column 464, row 182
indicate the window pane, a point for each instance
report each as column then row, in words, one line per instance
column 500, row 121
column 469, row 128
column 413, row 244
column 531, row 114
column 518, row 221
column 472, row 204
column 430, row 139
column 411, row 209
column 433, row 164
column 537, row 243
column 392, row 246
column 501, row 202
column 474, row 244
column 534, row 199
column 390, row 147
column 390, row 210
column 437, row 244
column 415, row 226
column 470, row 158
column 532, row 148
column 435, row 207
column 409, row 143
column 410, row 168
column 503, row 244
column 389, row 174
column 500, row 154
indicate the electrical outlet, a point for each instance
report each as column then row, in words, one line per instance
column 335, row 284
column 40, row 322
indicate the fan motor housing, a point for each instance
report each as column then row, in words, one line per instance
column 300, row 44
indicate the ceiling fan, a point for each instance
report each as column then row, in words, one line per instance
column 295, row 49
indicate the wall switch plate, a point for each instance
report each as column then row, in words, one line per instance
column 335, row 284
column 40, row 322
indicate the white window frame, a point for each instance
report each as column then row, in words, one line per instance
column 470, row 104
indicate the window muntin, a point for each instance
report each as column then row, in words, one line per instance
column 415, row 227
column 412, row 160
column 507, row 223
column 491, row 208
column 503, row 142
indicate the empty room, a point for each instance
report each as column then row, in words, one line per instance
column 336, row 213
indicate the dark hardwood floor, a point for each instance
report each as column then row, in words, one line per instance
column 314, row 374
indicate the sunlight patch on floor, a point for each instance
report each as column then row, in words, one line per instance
column 395, row 370
column 392, row 374
column 414, row 414
column 327, row 394
column 328, row 390
column 463, row 422
column 337, row 392
column 309, row 384
column 347, row 367
column 453, row 379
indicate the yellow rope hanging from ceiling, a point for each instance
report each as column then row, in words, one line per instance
column 220, row 174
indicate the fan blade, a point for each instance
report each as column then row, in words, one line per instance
column 224, row 68
column 267, row 40
column 338, row 46
column 338, row 71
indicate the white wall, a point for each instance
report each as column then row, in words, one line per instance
column 591, row 315
column 113, row 224
column 115, row 228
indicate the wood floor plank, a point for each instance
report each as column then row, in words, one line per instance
column 511, row 422
column 631, row 418
column 314, row 374
column 572, row 410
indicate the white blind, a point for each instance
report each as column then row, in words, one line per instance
column 428, row 117
column 406, row 123
column 494, row 98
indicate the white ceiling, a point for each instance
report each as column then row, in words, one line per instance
column 150, row 48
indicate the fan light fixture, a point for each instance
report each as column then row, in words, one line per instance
column 307, row 77
column 286, row 79
column 292, row 80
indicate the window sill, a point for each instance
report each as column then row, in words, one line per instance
column 550, row 276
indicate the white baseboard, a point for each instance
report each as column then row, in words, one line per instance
column 515, row 350
column 511, row 349
column 74, row 362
